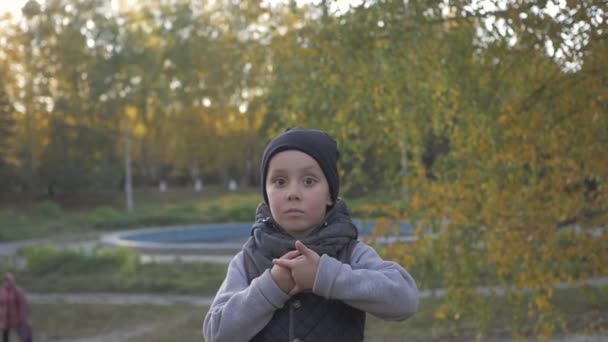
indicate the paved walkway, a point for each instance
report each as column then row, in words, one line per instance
column 118, row 298
column 166, row 299
column 130, row 333
column 126, row 334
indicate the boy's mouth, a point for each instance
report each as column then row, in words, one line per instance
column 294, row 211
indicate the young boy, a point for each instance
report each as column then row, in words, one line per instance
column 302, row 275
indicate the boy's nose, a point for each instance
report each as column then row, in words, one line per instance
column 293, row 192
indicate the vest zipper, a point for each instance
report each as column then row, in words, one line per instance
column 291, row 332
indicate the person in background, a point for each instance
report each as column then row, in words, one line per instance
column 303, row 275
column 13, row 310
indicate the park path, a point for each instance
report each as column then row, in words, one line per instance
column 167, row 299
column 125, row 334
column 129, row 333
column 118, row 298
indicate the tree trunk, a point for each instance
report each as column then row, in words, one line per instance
column 128, row 183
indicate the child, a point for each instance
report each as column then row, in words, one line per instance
column 13, row 310
column 302, row 275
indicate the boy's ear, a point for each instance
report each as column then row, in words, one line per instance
column 329, row 201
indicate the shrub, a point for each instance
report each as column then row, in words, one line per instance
column 47, row 210
column 241, row 212
column 183, row 210
column 51, row 259
column 103, row 214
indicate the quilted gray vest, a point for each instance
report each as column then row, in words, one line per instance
column 307, row 317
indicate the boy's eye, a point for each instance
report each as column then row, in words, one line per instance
column 309, row 181
column 279, row 181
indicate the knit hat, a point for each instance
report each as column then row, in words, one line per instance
column 317, row 144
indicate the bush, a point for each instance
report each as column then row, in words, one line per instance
column 47, row 210
column 104, row 214
column 109, row 219
column 241, row 212
column 184, row 210
column 51, row 259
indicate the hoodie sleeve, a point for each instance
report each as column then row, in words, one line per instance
column 382, row 288
column 240, row 310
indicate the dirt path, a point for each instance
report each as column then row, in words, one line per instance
column 165, row 299
column 118, row 299
column 127, row 334
column 124, row 334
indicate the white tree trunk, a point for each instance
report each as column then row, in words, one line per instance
column 128, row 183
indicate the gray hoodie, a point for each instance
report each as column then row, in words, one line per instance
column 382, row 288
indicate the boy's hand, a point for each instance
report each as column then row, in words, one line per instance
column 303, row 268
column 282, row 275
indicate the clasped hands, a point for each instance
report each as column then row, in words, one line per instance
column 295, row 271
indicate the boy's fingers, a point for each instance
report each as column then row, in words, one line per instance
column 282, row 267
column 291, row 255
column 283, row 262
column 300, row 247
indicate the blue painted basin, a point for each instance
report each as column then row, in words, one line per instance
column 225, row 232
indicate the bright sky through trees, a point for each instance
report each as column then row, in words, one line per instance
column 14, row 6
column 576, row 37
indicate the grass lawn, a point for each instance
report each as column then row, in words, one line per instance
column 183, row 322
column 176, row 278
column 53, row 322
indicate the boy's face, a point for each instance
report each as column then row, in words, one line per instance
column 298, row 192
